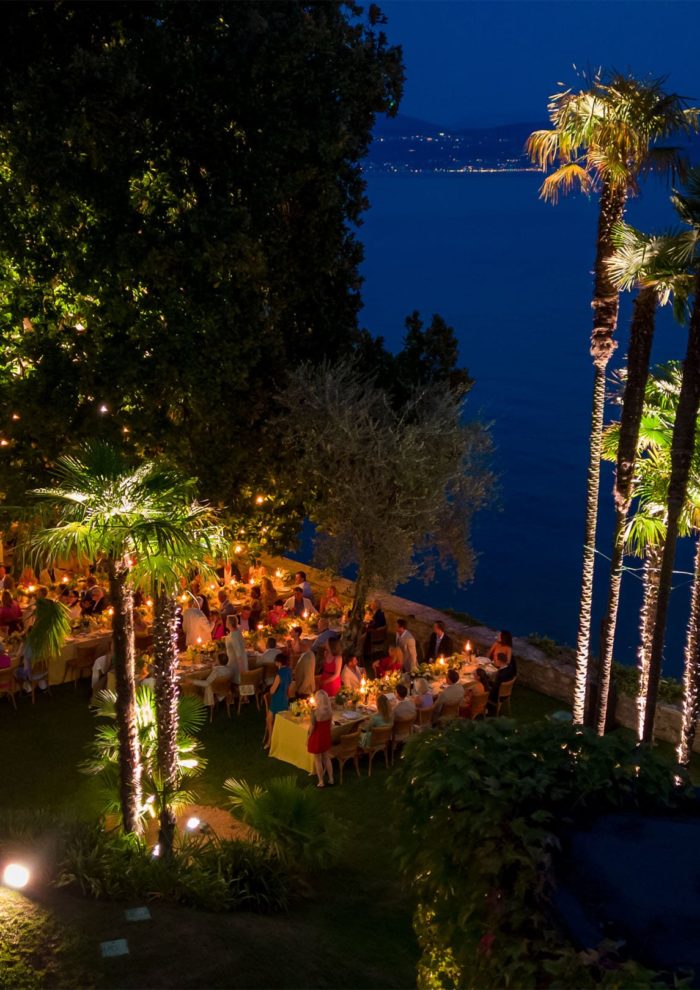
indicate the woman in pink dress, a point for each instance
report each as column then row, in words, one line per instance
column 332, row 664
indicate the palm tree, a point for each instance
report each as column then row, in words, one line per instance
column 683, row 442
column 649, row 263
column 603, row 138
column 105, row 508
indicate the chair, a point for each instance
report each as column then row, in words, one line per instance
column 403, row 728
column 9, row 685
column 221, row 686
column 347, row 748
column 478, row 706
column 504, row 692
column 84, row 659
column 250, row 679
column 448, row 713
column 379, row 742
column 424, row 718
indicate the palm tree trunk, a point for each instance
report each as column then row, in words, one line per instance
column 130, row 793
column 652, row 569
column 682, row 448
column 691, row 671
column 165, row 666
column 641, row 336
column 605, row 308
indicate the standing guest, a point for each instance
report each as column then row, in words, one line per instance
column 279, row 693
column 305, row 674
column 423, row 696
column 375, row 629
column 195, row 624
column 330, row 600
column 389, row 664
column 299, row 605
column 404, row 710
column 351, row 675
column 11, row 613
column 268, row 593
column 319, row 741
column 268, row 658
column 451, row 694
column 218, row 630
column 235, row 649
column 439, row 644
column 332, row 664
column 406, row 642
column 378, row 721
column 502, row 644
column 300, row 579
column 225, row 606
column 324, row 633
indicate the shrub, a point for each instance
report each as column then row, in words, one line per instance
column 289, row 820
column 481, row 806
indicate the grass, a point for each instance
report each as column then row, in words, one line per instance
column 353, row 931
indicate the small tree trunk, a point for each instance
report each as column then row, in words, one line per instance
column 165, row 665
column 130, row 792
column 691, row 671
column 682, row 449
column 652, row 569
column 605, row 305
column 641, row 336
column 353, row 632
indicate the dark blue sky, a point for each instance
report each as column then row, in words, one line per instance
column 497, row 61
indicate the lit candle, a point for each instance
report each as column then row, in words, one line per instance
column 212, row 586
column 468, row 646
column 149, row 602
column 441, row 661
column 31, row 588
column 64, row 580
column 199, row 640
column 278, row 573
column 312, row 701
column 110, row 611
column 305, row 615
column 251, row 582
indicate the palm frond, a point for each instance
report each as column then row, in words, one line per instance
column 566, row 178
column 50, row 629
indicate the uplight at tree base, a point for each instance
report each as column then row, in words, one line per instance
column 15, row 875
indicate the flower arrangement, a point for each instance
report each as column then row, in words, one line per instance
column 202, row 651
column 300, row 708
column 348, row 697
column 386, row 684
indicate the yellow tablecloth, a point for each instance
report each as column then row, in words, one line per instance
column 57, row 666
column 288, row 743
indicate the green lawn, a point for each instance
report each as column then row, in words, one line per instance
column 354, row 930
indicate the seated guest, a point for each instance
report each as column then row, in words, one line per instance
column 195, row 624
column 506, row 671
column 267, row 659
column 324, row 633
column 452, row 694
column 98, row 602
column 294, row 646
column 478, row 689
column 404, row 710
column 218, row 672
column 304, row 676
column 218, row 631
column 279, row 693
column 225, row 606
column 276, row 613
column 300, row 580
column 389, row 664
column 71, row 599
column 502, row 644
column 332, row 664
column 235, row 649
column 256, row 608
column 351, row 675
column 6, row 660
column 378, row 721
column 244, row 620
column 423, row 698
column 330, row 600
column 10, row 613
column 439, row 644
column 267, row 592
column 299, row 604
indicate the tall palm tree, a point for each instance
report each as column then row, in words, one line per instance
column 648, row 263
column 602, row 139
column 683, row 442
column 193, row 539
column 105, row 508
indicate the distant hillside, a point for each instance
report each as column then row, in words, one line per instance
column 409, row 145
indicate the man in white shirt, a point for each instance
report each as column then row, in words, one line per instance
column 406, row 642
column 451, row 694
column 195, row 624
column 300, row 580
column 351, row 675
column 297, row 605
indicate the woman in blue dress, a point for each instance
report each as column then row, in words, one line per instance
column 279, row 693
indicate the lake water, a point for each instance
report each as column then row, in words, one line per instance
column 512, row 275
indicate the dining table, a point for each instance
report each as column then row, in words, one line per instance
column 290, row 734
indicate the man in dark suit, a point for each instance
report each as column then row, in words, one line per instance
column 439, row 644
column 506, row 671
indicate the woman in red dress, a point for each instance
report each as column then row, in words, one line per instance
column 332, row 665
column 319, row 741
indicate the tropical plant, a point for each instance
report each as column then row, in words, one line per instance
column 603, row 138
column 157, row 792
column 650, row 264
column 504, row 794
column 288, row 820
column 49, row 630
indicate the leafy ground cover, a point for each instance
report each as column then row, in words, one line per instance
column 353, row 929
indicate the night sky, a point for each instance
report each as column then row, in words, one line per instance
column 493, row 62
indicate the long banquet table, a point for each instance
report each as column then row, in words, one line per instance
column 289, row 736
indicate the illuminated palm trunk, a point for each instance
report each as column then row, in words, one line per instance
column 682, row 449
column 130, row 791
column 605, row 309
column 165, row 655
column 647, row 618
column 641, row 336
column 691, row 671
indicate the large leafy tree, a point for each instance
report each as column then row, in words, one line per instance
column 602, row 139
column 179, row 185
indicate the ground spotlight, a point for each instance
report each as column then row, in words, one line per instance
column 15, row 875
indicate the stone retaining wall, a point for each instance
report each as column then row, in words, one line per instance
column 548, row 675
